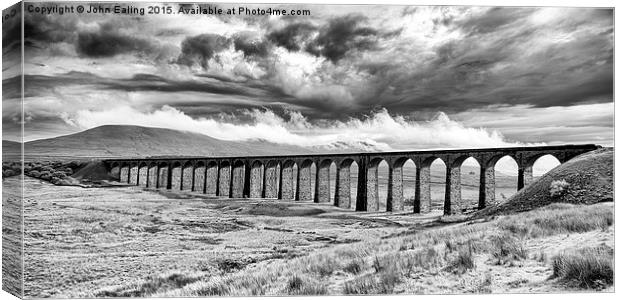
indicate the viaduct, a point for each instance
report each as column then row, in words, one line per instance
column 274, row 176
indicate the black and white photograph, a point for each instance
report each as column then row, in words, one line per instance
column 234, row 149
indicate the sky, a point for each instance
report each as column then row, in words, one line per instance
column 375, row 78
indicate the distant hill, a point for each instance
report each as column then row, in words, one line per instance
column 11, row 150
column 136, row 141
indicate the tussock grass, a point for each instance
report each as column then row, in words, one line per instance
column 381, row 266
column 463, row 262
column 299, row 285
column 591, row 267
column 559, row 218
column 507, row 249
column 149, row 286
column 379, row 283
column 354, row 267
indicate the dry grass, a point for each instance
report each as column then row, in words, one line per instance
column 463, row 262
column 558, row 218
column 507, row 249
column 591, row 267
column 378, row 267
column 233, row 254
column 149, row 286
column 299, row 285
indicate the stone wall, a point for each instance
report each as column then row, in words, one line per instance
column 271, row 181
column 211, row 182
column 176, row 179
column 142, row 175
column 199, row 178
column 133, row 175
column 163, row 177
column 238, row 180
column 124, row 174
column 256, row 181
column 224, row 183
column 152, row 177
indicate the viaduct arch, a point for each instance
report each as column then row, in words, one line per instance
column 290, row 178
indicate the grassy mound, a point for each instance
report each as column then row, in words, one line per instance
column 92, row 171
column 585, row 179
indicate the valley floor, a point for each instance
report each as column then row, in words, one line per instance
column 125, row 241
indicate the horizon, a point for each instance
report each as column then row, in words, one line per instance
column 505, row 165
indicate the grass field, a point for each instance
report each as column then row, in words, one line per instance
column 129, row 242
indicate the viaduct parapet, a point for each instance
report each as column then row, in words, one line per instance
column 274, row 176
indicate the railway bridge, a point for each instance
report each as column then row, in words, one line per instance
column 290, row 177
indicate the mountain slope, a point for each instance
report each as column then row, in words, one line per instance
column 136, row 141
column 11, row 150
column 585, row 179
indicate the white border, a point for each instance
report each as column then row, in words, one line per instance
column 540, row 3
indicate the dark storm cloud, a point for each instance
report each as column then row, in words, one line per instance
column 11, row 28
column 12, row 88
column 496, row 56
column 49, row 28
column 341, row 35
column 292, row 36
column 572, row 65
column 107, row 43
column 42, row 85
column 201, row 48
column 147, row 82
column 251, row 44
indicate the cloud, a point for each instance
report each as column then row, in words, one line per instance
column 293, row 36
column 340, row 62
column 198, row 50
column 493, row 20
column 251, row 44
column 378, row 131
column 586, row 123
column 109, row 43
column 342, row 35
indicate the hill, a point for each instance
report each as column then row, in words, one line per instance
column 11, row 150
column 135, row 141
column 585, row 179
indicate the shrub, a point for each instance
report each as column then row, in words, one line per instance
column 591, row 267
column 45, row 175
column 35, row 174
column 59, row 174
column 558, row 188
column 229, row 265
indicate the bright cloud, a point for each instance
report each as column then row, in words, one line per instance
column 377, row 131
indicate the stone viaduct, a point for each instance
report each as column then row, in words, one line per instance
column 274, row 176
